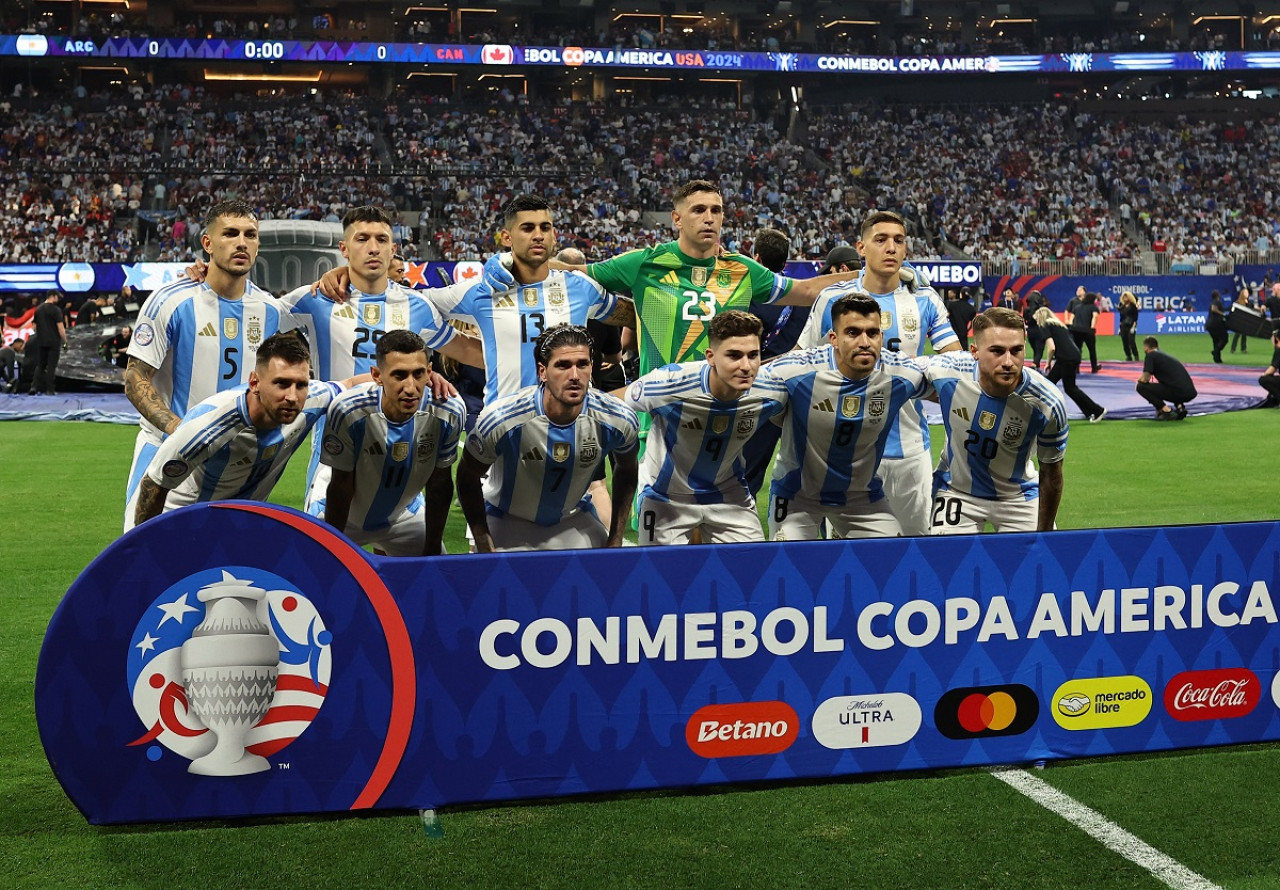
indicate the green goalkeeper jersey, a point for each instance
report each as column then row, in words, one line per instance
column 676, row 296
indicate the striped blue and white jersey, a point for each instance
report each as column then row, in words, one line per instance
column 391, row 461
column 835, row 429
column 694, row 450
column 344, row 336
column 510, row 322
column 217, row 454
column 990, row 440
column 200, row 343
column 540, row 471
column 907, row 320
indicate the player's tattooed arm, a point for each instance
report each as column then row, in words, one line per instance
column 623, row 314
column 140, row 391
column 151, row 498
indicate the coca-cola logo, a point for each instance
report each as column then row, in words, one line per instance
column 1212, row 695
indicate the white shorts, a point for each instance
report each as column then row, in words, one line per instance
column 958, row 513
column 908, row 487
column 664, row 522
column 581, row 530
column 800, row 519
column 406, row 535
column 145, row 447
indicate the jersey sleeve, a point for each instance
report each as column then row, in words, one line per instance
column 816, row 326
column 454, row 421
column 939, row 329
column 619, row 274
column 338, row 448
column 152, row 333
column 431, row 326
column 1051, row 444
column 623, row 422
column 455, row 300
column 605, row 300
column 185, row 449
column 642, row 395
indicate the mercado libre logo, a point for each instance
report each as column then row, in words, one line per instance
column 975, row 712
column 226, row 668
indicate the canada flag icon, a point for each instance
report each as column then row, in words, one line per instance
column 497, row 54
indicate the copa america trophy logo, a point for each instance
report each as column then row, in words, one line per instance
column 227, row 667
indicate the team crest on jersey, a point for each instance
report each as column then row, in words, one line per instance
column 746, row 423
column 850, row 405
column 588, row 453
column 555, row 294
column 723, row 278
column 699, row 276
column 530, row 296
column 719, row 424
column 876, row 406
column 910, row 322
column 398, row 319
column 987, row 420
column 270, row 452
column 253, row 332
column 426, row 445
column 399, row 451
column 1012, row 431
column 371, row 313
column 231, row 328
column 560, row 452
column 886, row 319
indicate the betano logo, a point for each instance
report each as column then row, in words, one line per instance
column 742, row 730
column 1212, row 695
column 1103, row 703
column 866, row 721
column 981, row 711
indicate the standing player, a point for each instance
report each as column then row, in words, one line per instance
column 387, row 449
column 843, row 400
column 995, row 411
column 235, row 444
column 344, row 335
column 540, row 446
column 680, row 286
column 197, row 338
column 907, row 317
column 702, row 415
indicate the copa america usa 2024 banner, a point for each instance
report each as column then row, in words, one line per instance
column 242, row 659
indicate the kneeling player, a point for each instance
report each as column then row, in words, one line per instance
column 702, row 415
column 843, row 400
column 995, row 411
column 385, row 445
column 541, row 446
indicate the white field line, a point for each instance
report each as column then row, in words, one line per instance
column 1100, row 828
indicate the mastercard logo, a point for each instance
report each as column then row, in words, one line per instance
column 981, row 711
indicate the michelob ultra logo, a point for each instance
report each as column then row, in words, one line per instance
column 742, row 729
column 866, row 721
column 1103, row 703
column 974, row 712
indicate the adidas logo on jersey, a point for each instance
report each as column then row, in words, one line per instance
column 671, row 278
column 208, row 330
column 344, row 311
column 694, row 424
column 245, row 461
column 375, row 448
column 534, row 453
column 824, row 405
column 962, row 413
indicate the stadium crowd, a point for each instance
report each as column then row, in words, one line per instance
column 1029, row 182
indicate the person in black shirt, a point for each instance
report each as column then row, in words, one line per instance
column 1171, row 382
column 1270, row 379
column 1064, row 358
column 1034, row 302
column 1084, row 326
column 1129, row 325
column 50, row 337
column 960, row 312
column 1215, row 325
